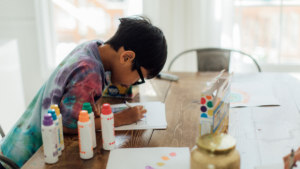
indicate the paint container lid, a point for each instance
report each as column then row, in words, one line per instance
column 56, row 108
column 52, row 112
column 83, row 116
column 47, row 120
column 106, row 110
column 87, row 106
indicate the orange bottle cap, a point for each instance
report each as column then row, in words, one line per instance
column 84, row 116
column 56, row 108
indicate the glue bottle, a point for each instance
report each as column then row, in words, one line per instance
column 59, row 117
column 55, row 121
column 49, row 140
column 107, row 127
column 85, row 136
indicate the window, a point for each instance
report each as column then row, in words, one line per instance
column 77, row 21
column 269, row 30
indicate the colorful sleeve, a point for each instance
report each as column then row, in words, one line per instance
column 81, row 89
column 71, row 104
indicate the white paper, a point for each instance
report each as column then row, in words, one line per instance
column 155, row 118
column 149, row 158
column 276, row 166
column 251, row 94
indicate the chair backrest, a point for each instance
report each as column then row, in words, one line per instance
column 213, row 59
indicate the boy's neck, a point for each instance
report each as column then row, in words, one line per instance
column 107, row 54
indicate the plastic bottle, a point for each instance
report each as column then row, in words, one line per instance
column 107, row 127
column 87, row 106
column 49, row 140
column 59, row 117
column 85, row 135
column 56, row 123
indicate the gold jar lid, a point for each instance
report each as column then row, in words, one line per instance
column 216, row 142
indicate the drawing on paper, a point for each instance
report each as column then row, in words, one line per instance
column 238, row 96
column 118, row 109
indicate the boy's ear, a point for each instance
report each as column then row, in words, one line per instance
column 127, row 56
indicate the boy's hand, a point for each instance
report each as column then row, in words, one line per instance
column 128, row 116
column 286, row 159
column 96, row 109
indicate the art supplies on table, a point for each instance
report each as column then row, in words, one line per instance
column 49, row 140
column 121, row 92
column 56, row 123
column 167, row 76
column 214, row 105
column 251, row 94
column 85, row 135
column 149, row 158
column 108, row 127
column 87, row 106
column 155, row 118
column 59, row 117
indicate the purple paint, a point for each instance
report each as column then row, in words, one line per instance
column 149, row 167
column 203, row 108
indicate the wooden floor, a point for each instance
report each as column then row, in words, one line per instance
column 264, row 134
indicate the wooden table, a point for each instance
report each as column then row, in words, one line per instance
column 264, row 134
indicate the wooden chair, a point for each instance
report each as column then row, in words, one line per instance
column 213, row 59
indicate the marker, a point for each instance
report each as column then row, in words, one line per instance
column 127, row 104
column 291, row 160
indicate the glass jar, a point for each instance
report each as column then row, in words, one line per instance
column 215, row 151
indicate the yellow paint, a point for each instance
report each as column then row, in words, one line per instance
column 210, row 112
column 160, row 164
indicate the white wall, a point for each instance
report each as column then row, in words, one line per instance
column 18, row 21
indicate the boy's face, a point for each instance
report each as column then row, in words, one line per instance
column 122, row 73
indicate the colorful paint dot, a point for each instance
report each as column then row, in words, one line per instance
column 160, row 164
column 204, row 115
column 149, row 167
column 210, row 104
column 203, row 108
column 210, row 112
column 203, row 100
column 173, row 154
column 208, row 97
column 165, row 158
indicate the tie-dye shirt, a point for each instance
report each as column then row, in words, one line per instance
column 79, row 78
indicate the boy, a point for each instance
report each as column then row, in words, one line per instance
column 138, row 50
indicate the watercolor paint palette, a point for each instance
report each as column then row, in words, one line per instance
column 149, row 158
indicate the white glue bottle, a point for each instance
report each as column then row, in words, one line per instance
column 85, row 135
column 61, row 133
column 87, row 106
column 107, row 127
column 49, row 140
column 55, row 121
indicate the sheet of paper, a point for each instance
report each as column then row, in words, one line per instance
column 251, row 94
column 149, row 158
column 155, row 118
column 276, row 166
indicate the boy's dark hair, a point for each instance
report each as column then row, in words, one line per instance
column 147, row 41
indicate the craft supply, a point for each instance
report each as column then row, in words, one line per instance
column 291, row 164
column 149, row 158
column 127, row 104
column 49, row 140
column 214, row 106
column 167, row 76
column 61, row 133
column 56, row 123
column 107, row 127
column 85, row 135
column 87, row 106
column 215, row 150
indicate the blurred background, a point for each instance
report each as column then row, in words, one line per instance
column 36, row 35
